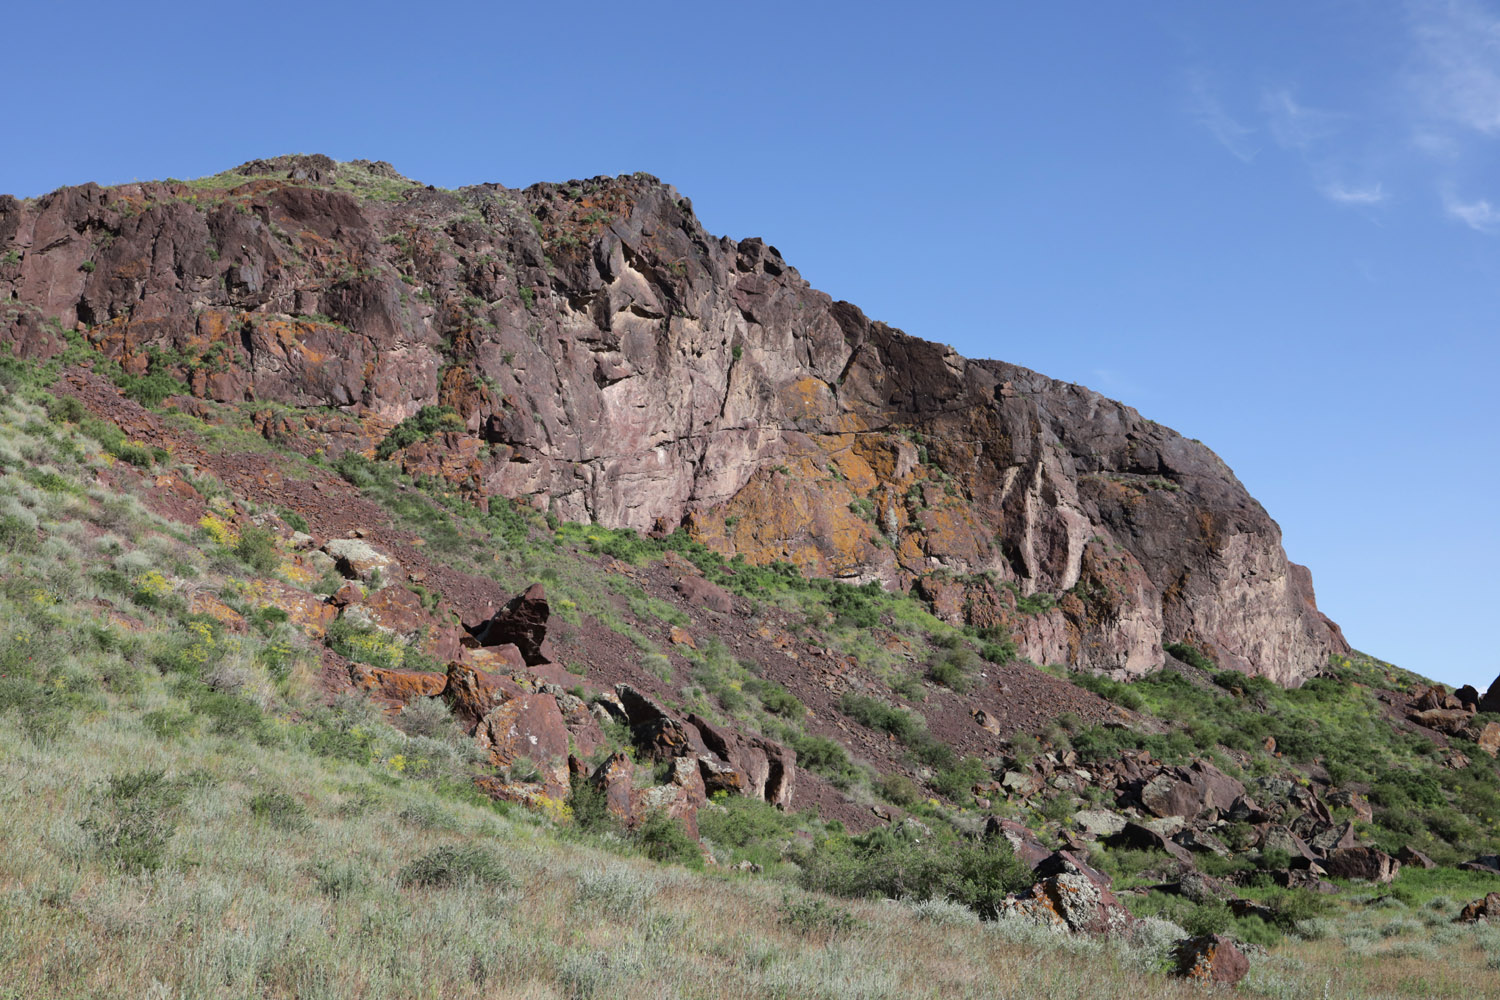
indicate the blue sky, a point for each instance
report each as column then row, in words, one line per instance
column 1275, row 227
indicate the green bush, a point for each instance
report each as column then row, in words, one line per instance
column 776, row 699
column 954, row 669
column 754, row 829
column 664, row 839
column 467, row 864
column 16, row 535
column 876, row 714
column 957, row 781
column 256, row 548
column 133, row 818
column 293, row 520
column 897, row 864
column 826, row 757
column 428, row 421
column 1191, row 655
column 1114, row 691
column 815, row 916
column 279, row 810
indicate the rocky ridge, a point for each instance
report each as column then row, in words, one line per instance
column 603, row 357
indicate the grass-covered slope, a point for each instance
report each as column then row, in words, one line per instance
column 187, row 811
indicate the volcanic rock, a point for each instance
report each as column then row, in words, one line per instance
column 1413, row 858
column 666, row 379
column 1368, row 863
column 1070, row 895
column 1211, row 958
column 521, row 623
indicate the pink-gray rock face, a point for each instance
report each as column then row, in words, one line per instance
column 612, row 362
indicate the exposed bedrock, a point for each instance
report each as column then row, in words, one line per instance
column 610, row 361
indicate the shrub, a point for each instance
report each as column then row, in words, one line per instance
column 256, row 548
column 366, row 644
column 825, row 756
column 815, row 916
column 428, row 421
column 877, row 715
column 293, row 520
column 426, row 717
column 776, row 699
column 338, row 879
column 590, row 808
column 662, row 838
column 132, row 819
column 954, row 669
column 957, row 781
column 754, row 828
column 1191, row 655
column 896, row 864
column 278, row 809
column 898, row 789
column 467, row 864
column 17, row 534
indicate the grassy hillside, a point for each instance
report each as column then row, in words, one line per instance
column 188, row 813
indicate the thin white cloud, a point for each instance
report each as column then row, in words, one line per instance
column 1344, row 194
column 1294, row 125
column 1206, row 110
column 1458, row 77
column 1480, row 216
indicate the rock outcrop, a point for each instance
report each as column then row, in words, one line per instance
column 606, row 359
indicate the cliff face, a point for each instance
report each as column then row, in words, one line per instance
column 610, row 361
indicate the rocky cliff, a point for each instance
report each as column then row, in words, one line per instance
column 608, row 360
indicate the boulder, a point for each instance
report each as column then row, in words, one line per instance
column 1332, row 838
column 1448, row 721
column 1369, row 863
column 357, row 559
column 1202, row 842
column 1343, row 799
column 1211, row 958
column 1244, row 810
column 1488, row 863
column 699, row 592
column 1279, row 838
column 1143, row 838
column 1431, row 698
column 528, row 725
column 1304, row 878
column 1489, row 738
column 521, row 623
column 472, row 694
column 1490, row 702
column 1021, row 783
column 655, row 733
column 1189, row 791
column 1070, row 896
column 987, row 721
column 1099, row 822
column 1468, row 697
column 393, row 610
column 1413, row 858
column 304, row 610
column 734, row 763
column 680, row 798
column 395, row 688
column 1195, row 886
column 615, row 779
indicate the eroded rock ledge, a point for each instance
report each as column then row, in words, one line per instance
column 610, row 361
